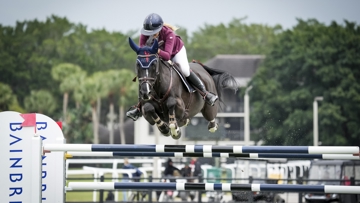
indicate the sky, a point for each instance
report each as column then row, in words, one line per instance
column 128, row 15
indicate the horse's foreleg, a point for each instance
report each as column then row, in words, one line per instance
column 174, row 128
column 152, row 117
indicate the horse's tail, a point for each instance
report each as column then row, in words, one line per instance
column 222, row 79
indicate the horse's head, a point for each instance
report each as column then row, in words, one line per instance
column 147, row 65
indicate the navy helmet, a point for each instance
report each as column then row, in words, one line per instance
column 152, row 24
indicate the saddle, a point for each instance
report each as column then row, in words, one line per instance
column 176, row 68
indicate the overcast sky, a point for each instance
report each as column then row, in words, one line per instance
column 126, row 15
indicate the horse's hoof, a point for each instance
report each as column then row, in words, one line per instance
column 165, row 132
column 164, row 129
column 175, row 131
column 177, row 136
column 212, row 127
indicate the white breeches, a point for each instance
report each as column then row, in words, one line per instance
column 182, row 60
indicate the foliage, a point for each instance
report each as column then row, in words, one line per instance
column 309, row 61
column 27, row 53
column 40, row 101
column 234, row 38
column 29, row 50
column 64, row 70
column 6, row 97
column 78, row 128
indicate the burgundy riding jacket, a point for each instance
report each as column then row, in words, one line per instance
column 172, row 43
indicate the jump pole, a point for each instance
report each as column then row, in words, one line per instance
column 215, row 186
column 202, row 148
column 71, row 154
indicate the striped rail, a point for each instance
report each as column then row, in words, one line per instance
column 214, row 154
column 202, row 148
column 215, row 186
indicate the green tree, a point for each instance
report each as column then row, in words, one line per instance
column 113, row 77
column 69, row 75
column 8, row 100
column 78, row 128
column 235, row 38
column 27, row 52
column 6, row 97
column 89, row 92
column 40, row 101
column 119, row 83
column 128, row 96
column 310, row 60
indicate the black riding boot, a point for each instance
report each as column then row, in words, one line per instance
column 134, row 112
column 210, row 98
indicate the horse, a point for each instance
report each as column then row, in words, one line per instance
column 167, row 100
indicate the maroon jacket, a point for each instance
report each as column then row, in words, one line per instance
column 172, row 43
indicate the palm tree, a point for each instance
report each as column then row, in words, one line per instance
column 89, row 91
column 113, row 77
column 40, row 101
column 128, row 96
column 70, row 84
column 61, row 73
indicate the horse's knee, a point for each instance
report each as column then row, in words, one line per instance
column 149, row 113
column 171, row 102
column 148, row 108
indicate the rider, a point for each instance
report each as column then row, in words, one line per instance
column 173, row 48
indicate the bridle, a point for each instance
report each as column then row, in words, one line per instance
column 151, row 81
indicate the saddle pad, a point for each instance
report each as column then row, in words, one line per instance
column 183, row 79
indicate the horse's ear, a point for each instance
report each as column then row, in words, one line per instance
column 133, row 45
column 155, row 47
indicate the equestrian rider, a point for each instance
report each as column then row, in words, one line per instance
column 172, row 49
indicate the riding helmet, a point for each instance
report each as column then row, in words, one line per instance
column 152, row 24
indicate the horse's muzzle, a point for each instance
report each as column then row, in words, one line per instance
column 146, row 97
column 145, row 92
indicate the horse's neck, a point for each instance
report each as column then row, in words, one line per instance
column 166, row 74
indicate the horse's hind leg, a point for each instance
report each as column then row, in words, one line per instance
column 174, row 128
column 213, row 126
column 209, row 113
column 152, row 117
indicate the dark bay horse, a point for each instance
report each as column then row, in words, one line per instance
column 164, row 98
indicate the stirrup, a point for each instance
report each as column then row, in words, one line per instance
column 134, row 113
column 210, row 98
